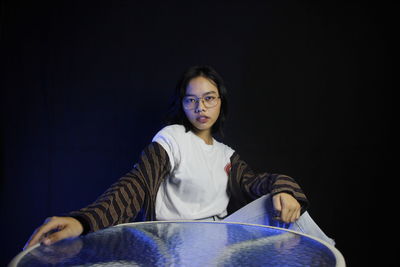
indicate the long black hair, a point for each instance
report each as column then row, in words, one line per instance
column 176, row 115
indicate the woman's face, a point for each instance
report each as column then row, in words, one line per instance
column 201, row 116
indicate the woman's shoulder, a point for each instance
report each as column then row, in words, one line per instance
column 170, row 133
column 170, row 138
column 172, row 130
column 225, row 148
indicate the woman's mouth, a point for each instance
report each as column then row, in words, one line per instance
column 203, row 119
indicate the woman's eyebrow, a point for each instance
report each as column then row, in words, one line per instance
column 210, row 92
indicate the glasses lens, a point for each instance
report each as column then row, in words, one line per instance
column 189, row 102
column 208, row 102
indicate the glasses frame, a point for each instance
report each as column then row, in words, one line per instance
column 197, row 100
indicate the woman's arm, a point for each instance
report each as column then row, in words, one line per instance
column 131, row 197
column 246, row 186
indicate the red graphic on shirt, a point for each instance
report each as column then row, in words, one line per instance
column 228, row 168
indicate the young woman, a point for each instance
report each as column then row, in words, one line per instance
column 185, row 174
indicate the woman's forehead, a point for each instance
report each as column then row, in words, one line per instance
column 201, row 86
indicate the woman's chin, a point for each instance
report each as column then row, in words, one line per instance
column 202, row 127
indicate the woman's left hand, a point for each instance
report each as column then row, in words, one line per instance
column 287, row 207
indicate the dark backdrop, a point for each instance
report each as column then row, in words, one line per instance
column 85, row 86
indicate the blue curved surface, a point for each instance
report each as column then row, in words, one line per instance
column 184, row 244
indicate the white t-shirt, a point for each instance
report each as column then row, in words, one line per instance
column 196, row 186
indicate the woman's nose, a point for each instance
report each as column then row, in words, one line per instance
column 200, row 106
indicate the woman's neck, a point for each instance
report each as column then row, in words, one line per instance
column 205, row 135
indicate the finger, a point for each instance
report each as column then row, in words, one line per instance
column 41, row 231
column 29, row 243
column 298, row 213
column 293, row 218
column 290, row 216
column 276, row 201
column 286, row 213
column 55, row 237
column 277, row 207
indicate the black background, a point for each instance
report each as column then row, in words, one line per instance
column 85, row 85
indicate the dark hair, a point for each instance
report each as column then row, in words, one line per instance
column 176, row 115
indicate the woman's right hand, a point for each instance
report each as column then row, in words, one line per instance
column 55, row 229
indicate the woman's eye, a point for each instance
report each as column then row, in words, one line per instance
column 190, row 100
column 209, row 98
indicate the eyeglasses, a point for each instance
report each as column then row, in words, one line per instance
column 189, row 102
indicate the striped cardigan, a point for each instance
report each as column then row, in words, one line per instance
column 133, row 196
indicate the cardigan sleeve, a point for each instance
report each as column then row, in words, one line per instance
column 245, row 186
column 132, row 197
